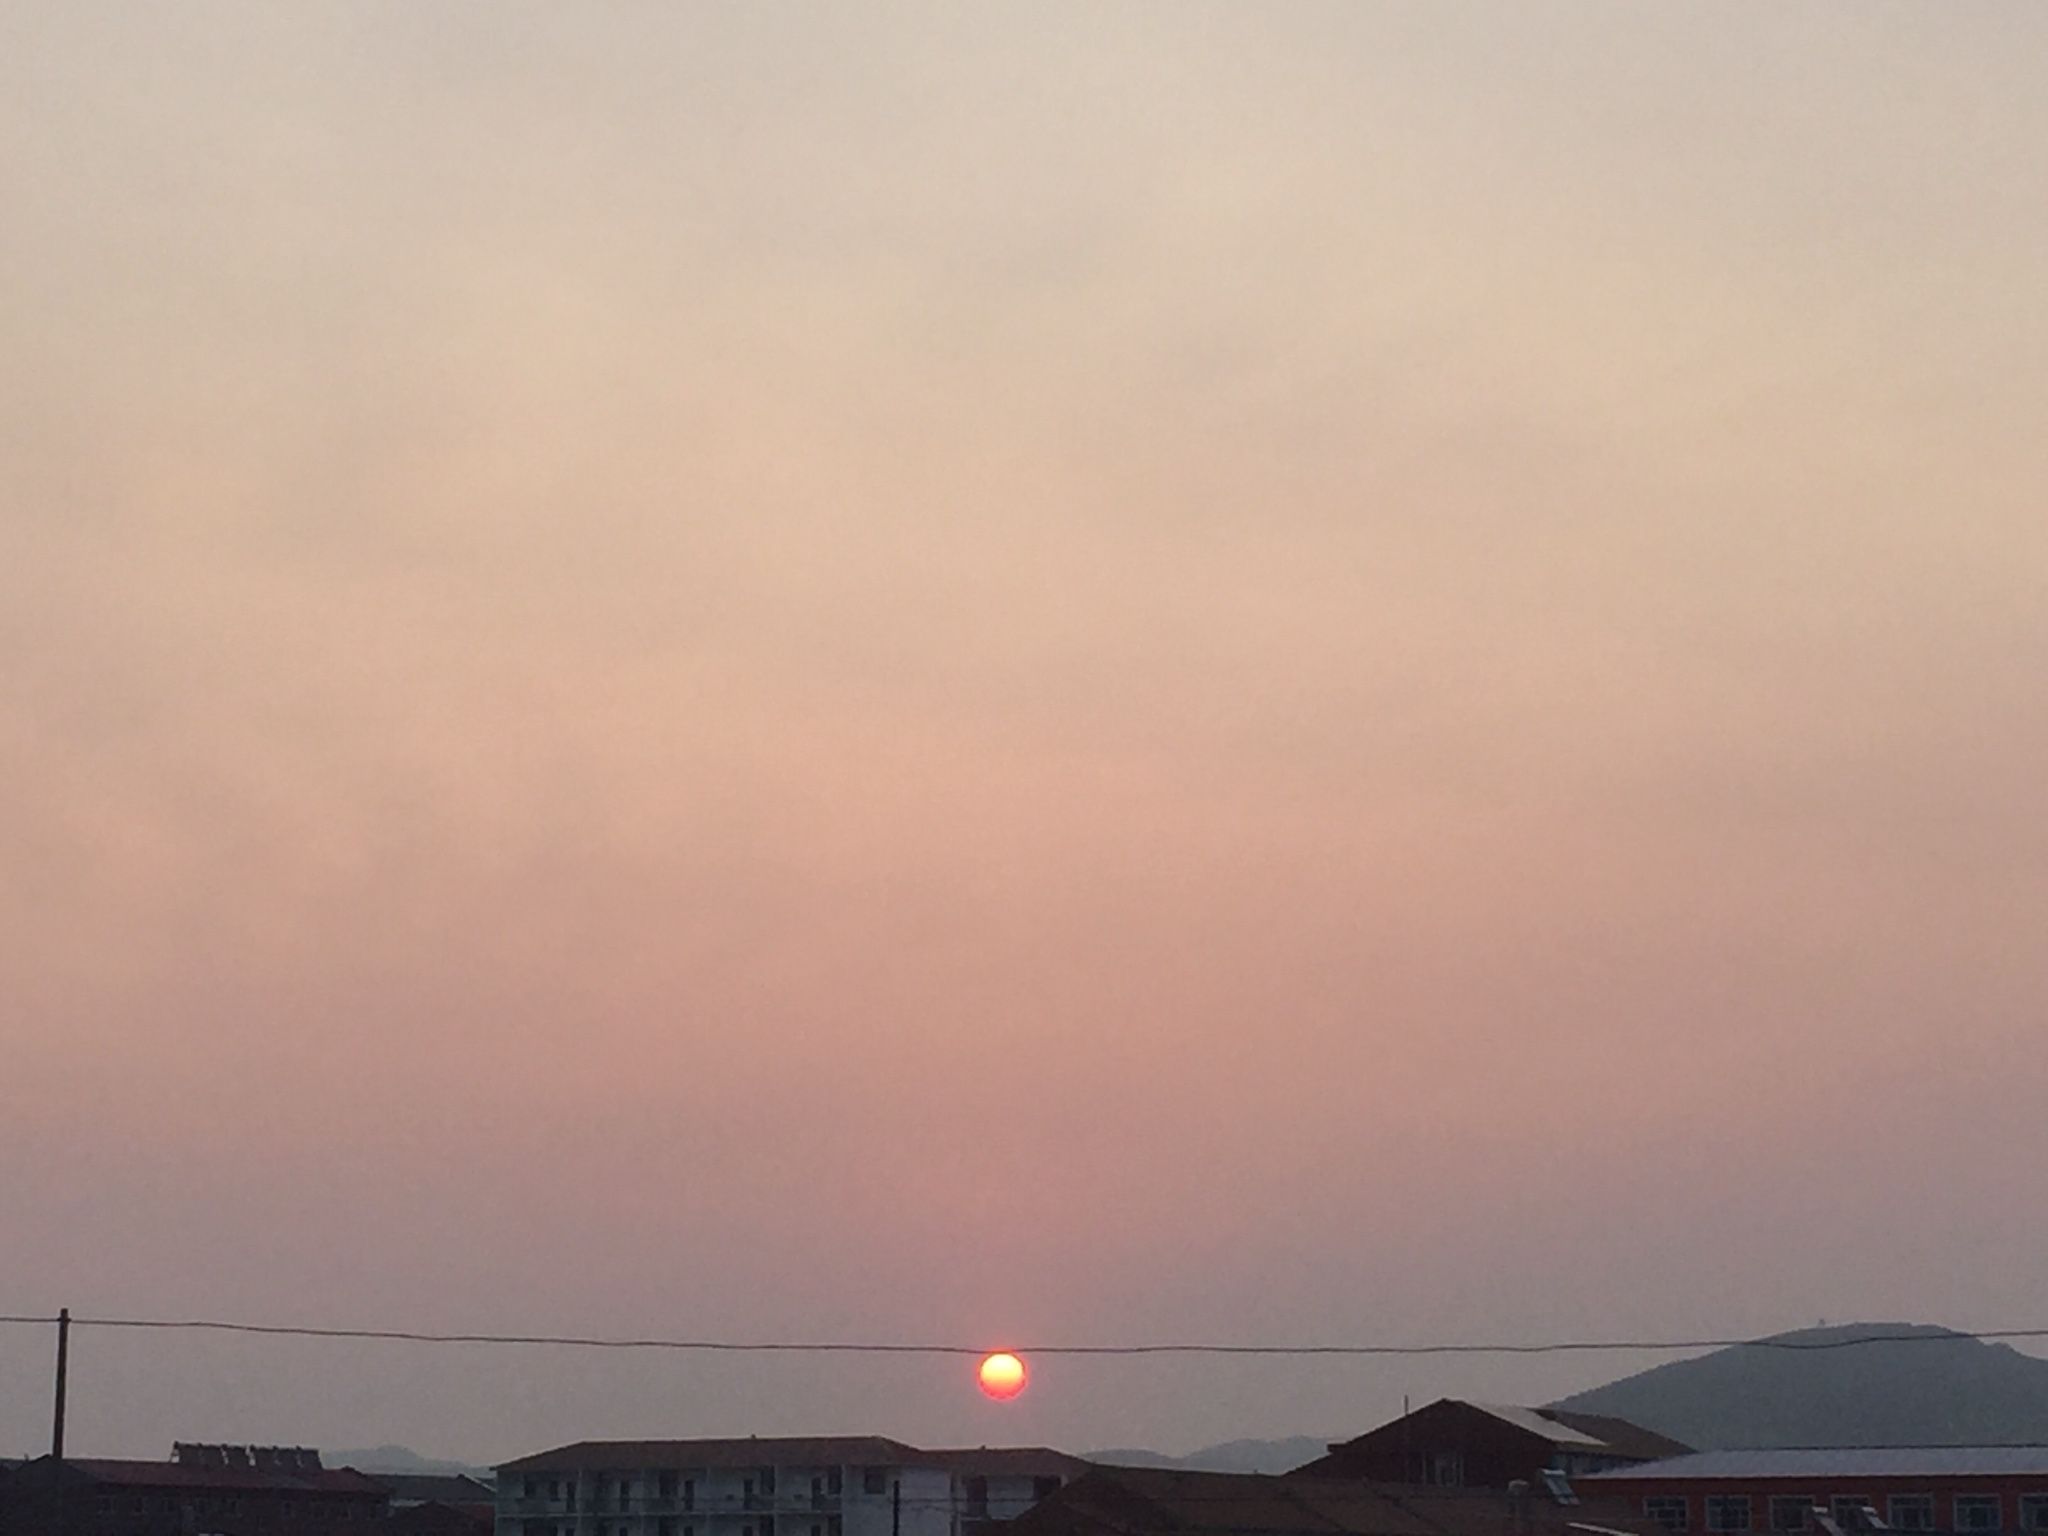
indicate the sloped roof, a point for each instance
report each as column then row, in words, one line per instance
column 1006, row 1461
column 1930, row 1461
column 173, row 1474
column 433, row 1487
column 1536, row 1422
column 1619, row 1435
column 1138, row 1501
column 1590, row 1433
column 751, row 1451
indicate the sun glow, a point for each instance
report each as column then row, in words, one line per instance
column 1002, row 1376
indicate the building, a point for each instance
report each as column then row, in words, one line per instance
column 847, row 1485
column 232, row 1490
column 1456, row 1444
column 1980, row 1490
column 1149, row 1501
column 437, row 1504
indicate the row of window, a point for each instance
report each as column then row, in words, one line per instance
column 1788, row 1513
column 672, row 1487
column 107, row 1504
column 666, row 1526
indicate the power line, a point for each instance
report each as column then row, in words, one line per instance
column 864, row 1347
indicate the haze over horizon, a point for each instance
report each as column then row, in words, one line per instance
column 1082, row 673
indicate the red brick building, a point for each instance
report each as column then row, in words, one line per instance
column 1971, row 1491
column 233, row 1490
column 1163, row 1501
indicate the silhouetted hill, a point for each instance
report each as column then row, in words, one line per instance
column 1917, row 1386
column 1270, row 1456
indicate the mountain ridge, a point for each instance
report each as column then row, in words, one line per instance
column 1858, row 1385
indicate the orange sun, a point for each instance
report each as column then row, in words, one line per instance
column 1002, row 1376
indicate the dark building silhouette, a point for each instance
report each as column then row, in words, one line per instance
column 1456, row 1444
column 232, row 1490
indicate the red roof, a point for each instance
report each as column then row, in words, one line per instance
column 173, row 1475
column 1147, row 1501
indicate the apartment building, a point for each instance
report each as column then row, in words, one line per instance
column 1967, row 1490
column 847, row 1485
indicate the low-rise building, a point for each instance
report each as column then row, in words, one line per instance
column 232, row 1490
column 437, row 1504
column 844, row 1485
column 1159, row 1501
column 1978, row 1490
column 1457, row 1444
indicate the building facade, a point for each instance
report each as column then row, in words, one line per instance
column 1982, row 1491
column 1161, row 1501
column 857, row 1485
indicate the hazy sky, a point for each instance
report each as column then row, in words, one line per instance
column 1082, row 673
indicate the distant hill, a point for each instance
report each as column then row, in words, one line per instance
column 400, row 1458
column 1918, row 1385
column 1271, row 1456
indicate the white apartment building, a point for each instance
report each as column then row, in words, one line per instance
column 847, row 1485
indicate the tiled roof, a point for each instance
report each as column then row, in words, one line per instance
column 173, row 1474
column 1592, row 1434
column 432, row 1487
column 752, row 1451
column 1006, row 1461
column 1140, row 1501
column 1536, row 1422
column 1619, row 1435
column 1847, row 1461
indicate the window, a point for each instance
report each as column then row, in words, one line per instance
column 1976, row 1512
column 665, row 1527
column 1728, row 1512
column 1668, row 1510
column 874, row 1480
column 665, row 1486
column 835, row 1481
column 689, row 1497
column 526, row 1487
column 1559, row 1486
column 1789, row 1512
column 2034, row 1512
column 1911, row 1511
column 977, row 1497
column 1446, row 1469
column 1847, row 1508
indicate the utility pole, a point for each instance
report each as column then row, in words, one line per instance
column 895, row 1506
column 63, row 1368
column 57, row 1477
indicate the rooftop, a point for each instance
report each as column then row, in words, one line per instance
column 1130, row 1501
column 1845, row 1461
column 802, row 1451
column 228, row 1479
